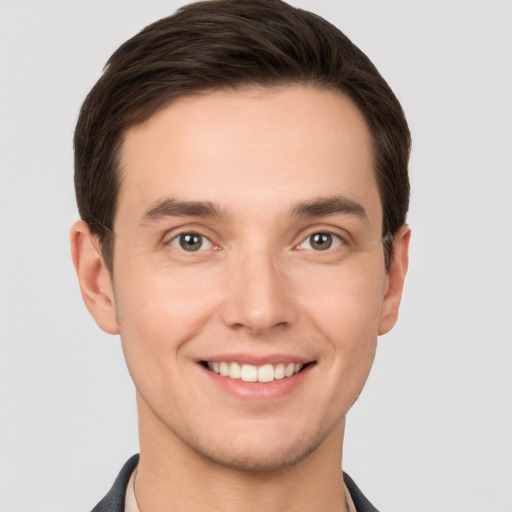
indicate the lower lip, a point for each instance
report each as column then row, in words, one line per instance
column 275, row 389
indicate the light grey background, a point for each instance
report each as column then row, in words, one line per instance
column 433, row 428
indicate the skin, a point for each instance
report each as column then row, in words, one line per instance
column 256, row 288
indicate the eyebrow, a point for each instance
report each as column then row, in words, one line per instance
column 317, row 207
column 322, row 206
column 170, row 207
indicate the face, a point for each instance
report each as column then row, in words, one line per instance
column 249, row 283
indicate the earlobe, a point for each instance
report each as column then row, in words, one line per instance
column 395, row 280
column 93, row 277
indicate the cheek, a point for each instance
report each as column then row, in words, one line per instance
column 157, row 316
column 346, row 301
column 347, row 312
column 156, row 297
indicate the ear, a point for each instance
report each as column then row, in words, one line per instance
column 395, row 280
column 93, row 277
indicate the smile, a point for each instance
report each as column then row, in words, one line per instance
column 250, row 373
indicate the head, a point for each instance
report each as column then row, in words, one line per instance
column 239, row 166
column 225, row 45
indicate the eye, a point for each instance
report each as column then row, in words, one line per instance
column 190, row 242
column 321, row 241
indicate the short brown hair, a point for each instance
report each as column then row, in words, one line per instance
column 225, row 44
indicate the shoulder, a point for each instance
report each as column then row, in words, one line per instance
column 360, row 501
column 114, row 500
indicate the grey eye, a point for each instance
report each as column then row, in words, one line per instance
column 321, row 241
column 190, row 242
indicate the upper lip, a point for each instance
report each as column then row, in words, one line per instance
column 257, row 359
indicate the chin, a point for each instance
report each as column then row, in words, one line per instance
column 250, row 452
column 256, row 458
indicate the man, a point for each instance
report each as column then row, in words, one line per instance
column 241, row 175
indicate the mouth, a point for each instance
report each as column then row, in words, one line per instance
column 250, row 373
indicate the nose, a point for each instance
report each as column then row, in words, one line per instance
column 259, row 296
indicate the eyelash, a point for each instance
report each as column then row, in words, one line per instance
column 178, row 241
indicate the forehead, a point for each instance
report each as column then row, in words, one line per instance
column 250, row 148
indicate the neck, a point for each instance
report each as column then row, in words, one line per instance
column 171, row 476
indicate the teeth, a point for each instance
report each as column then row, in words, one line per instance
column 224, row 369
column 266, row 373
column 235, row 371
column 279, row 371
column 250, row 373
